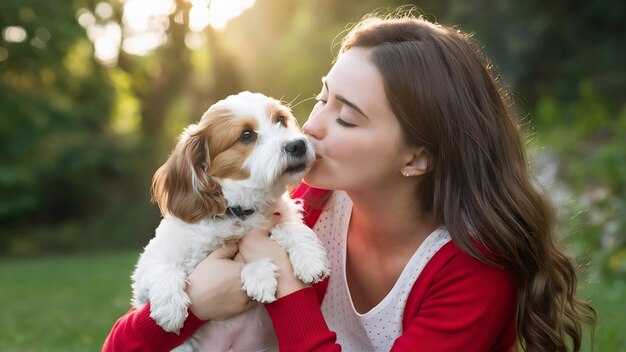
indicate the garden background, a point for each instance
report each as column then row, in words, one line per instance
column 93, row 94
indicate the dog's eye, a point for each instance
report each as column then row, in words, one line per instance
column 247, row 135
column 281, row 120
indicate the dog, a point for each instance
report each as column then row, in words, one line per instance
column 227, row 174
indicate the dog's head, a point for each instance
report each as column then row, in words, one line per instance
column 246, row 148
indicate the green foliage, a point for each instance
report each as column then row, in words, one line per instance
column 60, row 161
column 590, row 141
column 589, row 135
column 545, row 48
column 80, row 141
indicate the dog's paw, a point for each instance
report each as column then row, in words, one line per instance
column 306, row 253
column 309, row 262
column 170, row 312
column 259, row 280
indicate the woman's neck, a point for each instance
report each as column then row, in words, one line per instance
column 389, row 218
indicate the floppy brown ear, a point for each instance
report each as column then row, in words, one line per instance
column 182, row 186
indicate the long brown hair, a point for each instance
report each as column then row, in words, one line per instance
column 445, row 96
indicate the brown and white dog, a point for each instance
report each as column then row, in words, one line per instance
column 226, row 175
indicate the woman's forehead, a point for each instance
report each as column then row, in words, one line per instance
column 356, row 78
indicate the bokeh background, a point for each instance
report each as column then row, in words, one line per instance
column 94, row 92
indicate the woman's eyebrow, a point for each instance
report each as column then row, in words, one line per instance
column 345, row 101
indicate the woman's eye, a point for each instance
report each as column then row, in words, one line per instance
column 343, row 123
column 320, row 100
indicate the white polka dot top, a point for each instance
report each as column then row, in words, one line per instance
column 377, row 329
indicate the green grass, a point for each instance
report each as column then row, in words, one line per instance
column 63, row 303
column 70, row 303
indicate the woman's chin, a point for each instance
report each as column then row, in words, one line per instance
column 311, row 178
column 314, row 179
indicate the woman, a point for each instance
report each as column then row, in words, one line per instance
column 438, row 237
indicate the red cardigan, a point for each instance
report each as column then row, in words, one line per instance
column 456, row 304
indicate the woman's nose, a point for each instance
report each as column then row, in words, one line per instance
column 307, row 128
column 312, row 126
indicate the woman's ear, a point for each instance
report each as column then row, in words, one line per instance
column 182, row 186
column 419, row 163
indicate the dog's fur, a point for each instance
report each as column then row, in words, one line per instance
column 244, row 152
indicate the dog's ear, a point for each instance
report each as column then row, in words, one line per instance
column 182, row 186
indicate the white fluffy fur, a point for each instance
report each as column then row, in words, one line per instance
column 163, row 267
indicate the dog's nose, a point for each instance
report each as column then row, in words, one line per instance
column 296, row 148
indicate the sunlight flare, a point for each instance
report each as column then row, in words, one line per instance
column 145, row 23
column 221, row 11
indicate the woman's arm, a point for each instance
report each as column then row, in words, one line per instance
column 299, row 323
column 215, row 298
column 459, row 304
column 137, row 331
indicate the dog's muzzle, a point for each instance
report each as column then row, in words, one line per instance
column 296, row 148
column 296, row 151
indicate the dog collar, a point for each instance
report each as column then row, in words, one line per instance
column 238, row 212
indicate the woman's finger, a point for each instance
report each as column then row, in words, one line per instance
column 265, row 230
column 227, row 251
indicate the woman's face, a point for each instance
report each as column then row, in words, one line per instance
column 357, row 137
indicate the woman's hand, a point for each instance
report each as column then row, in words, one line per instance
column 257, row 245
column 214, row 286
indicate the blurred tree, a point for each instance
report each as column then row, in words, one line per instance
column 55, row 105
column 550, row 48
column 80, row 137
column 157, row 88
column 63, row 165
column 164, row 78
